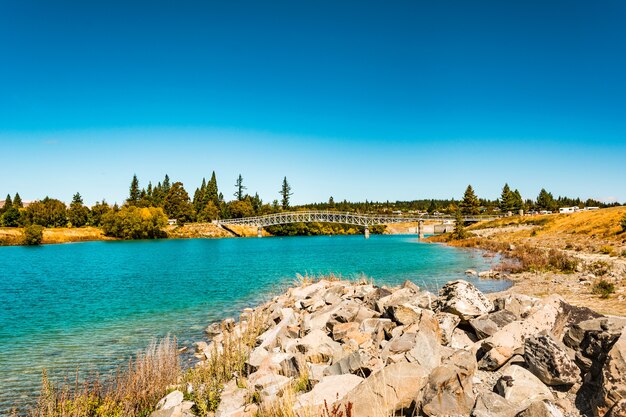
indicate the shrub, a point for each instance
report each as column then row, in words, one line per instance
column 623, row 223
column 603, row 288
column 599, row 268
column 135, row 223
column 33, row 235
column 607, row 250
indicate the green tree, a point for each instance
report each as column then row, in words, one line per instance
column 432, row 207
column 517, row 201
column 177, row 204
column 212, row 192
column 8, row 203
column 78, row 214
column 240, row 187
column 98, row 210
column 33, row 235
column 506, row 199
column 131, row 222
column 209, row 213
column 285, row 193
column 459, row 226
column 166, row 184
column 470, row 204
column 17, row 201
column 11, row 217
column 545, row 201
column 48, row 212
column 331, row 202
column 257, row 203
column 238, row 209
column 134, row 194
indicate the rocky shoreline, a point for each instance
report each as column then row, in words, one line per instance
column 332, row 347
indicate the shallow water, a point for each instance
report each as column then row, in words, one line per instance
column 91, row 305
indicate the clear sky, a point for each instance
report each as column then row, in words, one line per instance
column 358, row 100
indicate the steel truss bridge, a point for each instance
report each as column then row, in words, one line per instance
column 365, row 220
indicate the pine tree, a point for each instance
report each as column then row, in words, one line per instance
column 77, row 199
column 506, row 199
column 470, row 204
column 257, row 203
column 7, row 203
column 17, row 201
column 517, row 201
column 545, row 200
column 177, row 204
column 459, row 226
column 134, row 194
column 286, row 193
column 240, row 187
column 432, row 207
column 149, row 190
column 78, row 214
column 212, row 192
column 331, row 202
column 166, row 184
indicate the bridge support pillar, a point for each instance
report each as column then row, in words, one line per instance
column 259, row 231
column 420, row 229
column 367, row 232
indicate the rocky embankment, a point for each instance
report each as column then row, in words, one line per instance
column 375, row 351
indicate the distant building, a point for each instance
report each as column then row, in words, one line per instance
column 172, row 222
column 592, row 208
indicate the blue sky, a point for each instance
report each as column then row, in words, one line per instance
column 359, row 100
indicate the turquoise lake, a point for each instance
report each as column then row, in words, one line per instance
column 92, row 305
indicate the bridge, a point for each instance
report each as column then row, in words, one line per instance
column 358, row 219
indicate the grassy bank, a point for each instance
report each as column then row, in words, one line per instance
column 12, row 236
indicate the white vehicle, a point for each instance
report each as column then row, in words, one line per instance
column 566, row 210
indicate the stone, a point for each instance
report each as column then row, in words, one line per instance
column 462, row 340
column 577, row 333
column 268, row 384
column 618, row 410
column 449, row 391
column 521, row 387
column 613, row 378
column 341, row 331
column 269, row 338
column 488, row 324
column 171, row 400
column 547, row 358
column 488, row 274
column 232, row 399
column 541, row 409
column 447, row 325
column 394, row 388
column 330, row 389
column 490, row 404
column 355, row 363
column 376, row 327
column 317, row 347
column 518, row 304
column 464, row 300
column 497, row 349
column 213, row 330
column 405, row 314
column 471, row 272
column 256, row 358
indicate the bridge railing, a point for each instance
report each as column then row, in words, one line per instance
column 360, row 219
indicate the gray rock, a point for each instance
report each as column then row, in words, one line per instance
column 613, row 380
column 355, row 363
column 447, row 324
column 518, row 304
column 392, row 389
column 541, row 409
column 317, row 347
column 464, row 300
column 490, row 404
column 449, row 391
column 462, row 340
column 488, row 324
column 232, row 398
column 330, row 389
column 521, row 387
column 171, row 400
column 547, row 358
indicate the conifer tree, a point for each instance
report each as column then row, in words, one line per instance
column 8, row 203
column 212, row 192
column 470, row 204
column 17, row 201
column 545, row 200
column 517, row 201
column 78, row 214
column 257, row 203
column 506, row 199
column 459, row 226
column 240, row 187
column 134, row 193
column 166, row 184
column 149, row 190
column 177, row 204
column 331, row 202
column 286, row 193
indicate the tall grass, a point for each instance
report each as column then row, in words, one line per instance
column 133, row 391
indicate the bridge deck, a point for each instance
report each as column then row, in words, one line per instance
column 338, row 217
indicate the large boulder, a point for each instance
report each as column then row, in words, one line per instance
column 449, row 391
column 521, row 387
column 613, row 380
column 329, row 390
column 394, row 388
column 463, row 299
column 269, row 339
column 518, row 304
column 547, row 358
column 171, row 400
column 357, row 363
column 447, row 324
column 490, row 404
column 508, row 341
column 488, row 324
column 232, row 400
column 541, row 409
column 317, row 347
column 419, row 343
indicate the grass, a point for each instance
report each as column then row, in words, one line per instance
column 133, row 391
column 603, row 288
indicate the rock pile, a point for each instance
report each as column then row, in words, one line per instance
column 403, row 351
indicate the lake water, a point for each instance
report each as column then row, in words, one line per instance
column 91, row 305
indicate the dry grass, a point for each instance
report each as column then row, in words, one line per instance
column 208, row 379
column 10, row 236
column 133, row 391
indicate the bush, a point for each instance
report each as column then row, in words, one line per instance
column 33, row 235
column 603, row 288
column 47, row 212
column 607, row 250
column 135, row 223
column 623, row 223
